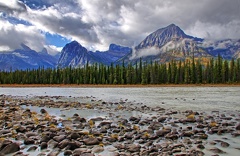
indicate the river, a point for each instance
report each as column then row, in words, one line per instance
column 195, row 98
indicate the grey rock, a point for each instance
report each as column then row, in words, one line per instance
column 97, row 149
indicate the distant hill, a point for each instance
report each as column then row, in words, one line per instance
column 26, row 58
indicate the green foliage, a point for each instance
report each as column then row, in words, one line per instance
column 190, row 71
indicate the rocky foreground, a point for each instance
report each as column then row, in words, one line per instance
column 157, row 131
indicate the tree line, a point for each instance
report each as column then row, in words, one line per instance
column 189, row 71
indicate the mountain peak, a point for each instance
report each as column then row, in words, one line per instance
column 25, row 47
column 44, row 51
column 74, row 43
column 171, row 30
column 172, row 25
column 163, row 36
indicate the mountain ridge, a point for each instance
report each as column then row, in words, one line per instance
column 26, row 58
column 162, row 45
column 161, row 36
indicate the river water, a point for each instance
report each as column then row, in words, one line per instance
column 180, row 98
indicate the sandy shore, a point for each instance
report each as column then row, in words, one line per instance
column 116, row 86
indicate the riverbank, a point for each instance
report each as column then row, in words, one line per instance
column 89, row 126
column 115, row 86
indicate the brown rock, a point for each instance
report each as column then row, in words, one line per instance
column 28, row 141
column 87, row 154
column 224, row 144
column 52, row 144
column 171, row 136
column 91, row 141
column 162, row 119
column 45, row 138
column 43, row 111
column 133, row 148
column 74, row 135
column 162, row 133
column 59, row 138
column 53, row 153
column 11, row 148
column 43, row 145
column 200, row 146
column 73, row 145
column 30, row 134
column 67, row 153
column 217, row 150
column 63, row 143
column 32, row 148
column 238, row 127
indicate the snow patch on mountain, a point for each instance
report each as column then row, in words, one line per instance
column 20, row 55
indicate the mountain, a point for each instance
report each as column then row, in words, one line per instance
column 26, row 58
column 114, row 53
column 75, row 55
column 171, row 42
column 164, row 35
column 227, row 48
column 162, row 45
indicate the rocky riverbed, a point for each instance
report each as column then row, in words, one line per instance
column 86, row 126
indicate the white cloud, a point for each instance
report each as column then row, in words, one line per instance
column 96, row 24
column 216, row 31
column 152, row 51
column 12, row 36
column 4, row 48
column 52, row 49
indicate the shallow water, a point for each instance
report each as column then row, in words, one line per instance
column 181, row 98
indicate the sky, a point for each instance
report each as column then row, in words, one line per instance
column 95, row 24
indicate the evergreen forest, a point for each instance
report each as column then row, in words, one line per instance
column 189, row 71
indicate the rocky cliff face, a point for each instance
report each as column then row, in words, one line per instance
column 75, row 55
column 162, row 36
